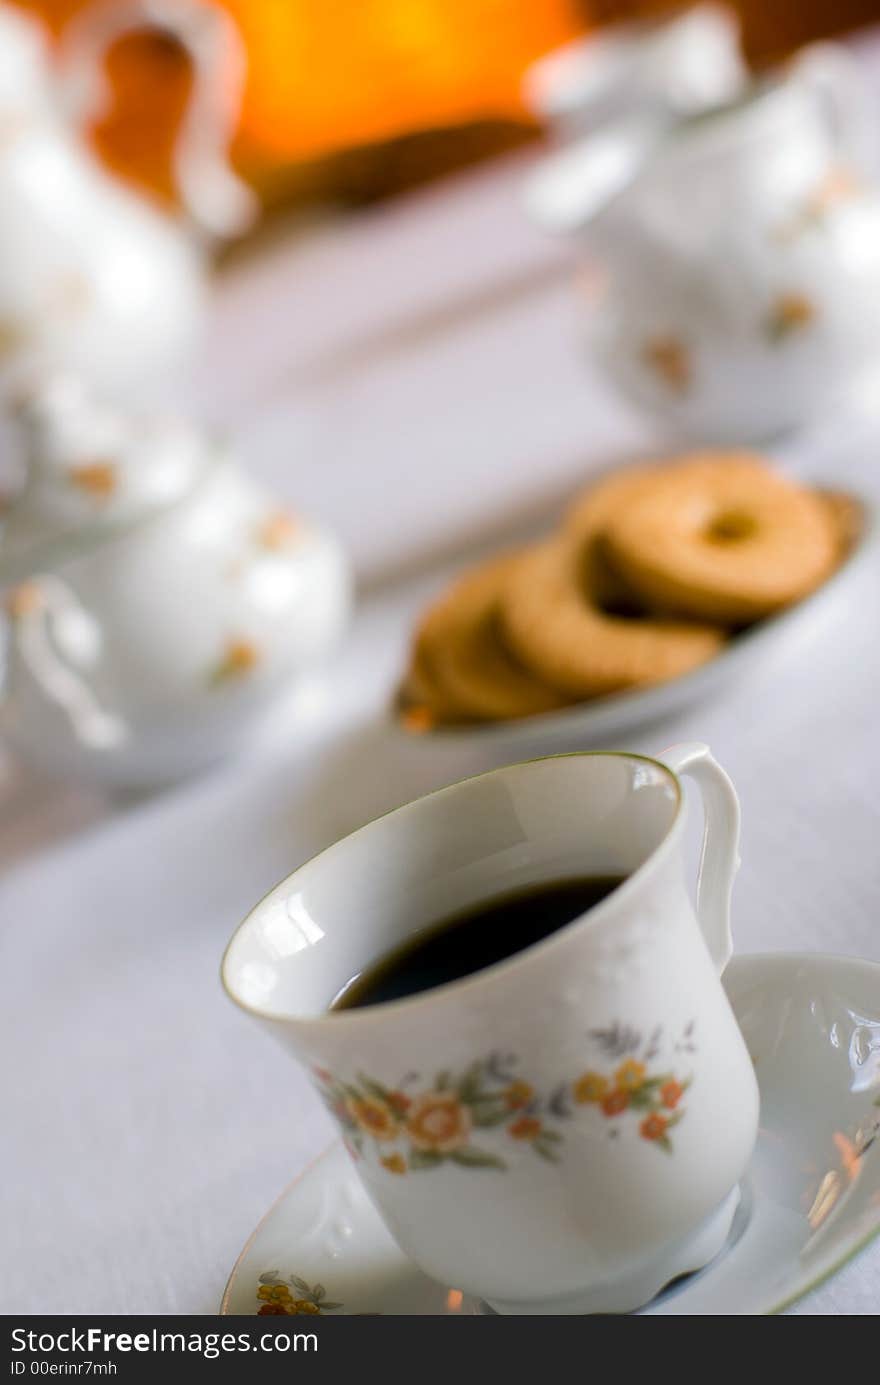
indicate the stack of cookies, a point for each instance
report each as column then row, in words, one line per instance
column 653, row 570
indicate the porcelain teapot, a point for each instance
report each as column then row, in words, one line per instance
column 740, row 250
column 94, row 277
column 160, row 601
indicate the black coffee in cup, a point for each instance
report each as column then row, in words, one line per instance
column 476, row 938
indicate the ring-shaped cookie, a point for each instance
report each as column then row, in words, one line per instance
column 554, row 622
column 589, row 513
column 722, row 538
column 458, row 646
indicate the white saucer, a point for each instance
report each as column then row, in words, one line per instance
column 774, row 638
column 810, row 1200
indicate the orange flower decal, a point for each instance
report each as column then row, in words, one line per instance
column 239, row 657
column 654, row 1097
column 526, row 1128
column 590, row 1087
column 278, row 530
column 790, row 313
column 394, row 1163
column 95, row 478
column 399, row 1102
column 671, row 1093
column 438, row 1121
column 274, row 1293
column 653, row 1127
column 670, row 360
column 277, row 1300
column 630, row 1075
column 840, row 184
column 23, row 600
column 373, row 1116
column 518, row 1094
column 615, row 1103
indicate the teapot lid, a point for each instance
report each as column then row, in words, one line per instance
column 92, row 472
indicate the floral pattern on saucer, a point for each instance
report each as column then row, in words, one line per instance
column 420, row 1125
column 290, row 1297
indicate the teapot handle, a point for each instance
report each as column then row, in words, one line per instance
column 835, row 79
column 33, row 608
column 719, row 859
column 217, row 200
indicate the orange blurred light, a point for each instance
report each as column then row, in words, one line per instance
column 323, row 77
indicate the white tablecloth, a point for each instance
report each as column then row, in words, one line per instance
column 146, row 1123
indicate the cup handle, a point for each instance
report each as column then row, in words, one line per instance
column 719, row 858
column 217, row 200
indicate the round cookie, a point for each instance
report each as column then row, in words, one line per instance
column 722, row 537
column 555, row 624
column 458, row 642
column 846, row 516
column 586, row 520
column 590, row 511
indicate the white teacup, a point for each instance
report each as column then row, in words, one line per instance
column 562, row 1132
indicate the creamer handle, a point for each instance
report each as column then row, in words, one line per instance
column 719, row 859
column 217, row 200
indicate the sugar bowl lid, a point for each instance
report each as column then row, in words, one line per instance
column 92, row 473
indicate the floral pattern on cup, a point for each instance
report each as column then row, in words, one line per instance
column 421, row 1125
column 291, row 1297
column 631, row 1088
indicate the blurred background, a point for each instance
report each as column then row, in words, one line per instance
column 356, row 100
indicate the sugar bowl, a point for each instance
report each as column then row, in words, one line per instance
column 160, row 601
